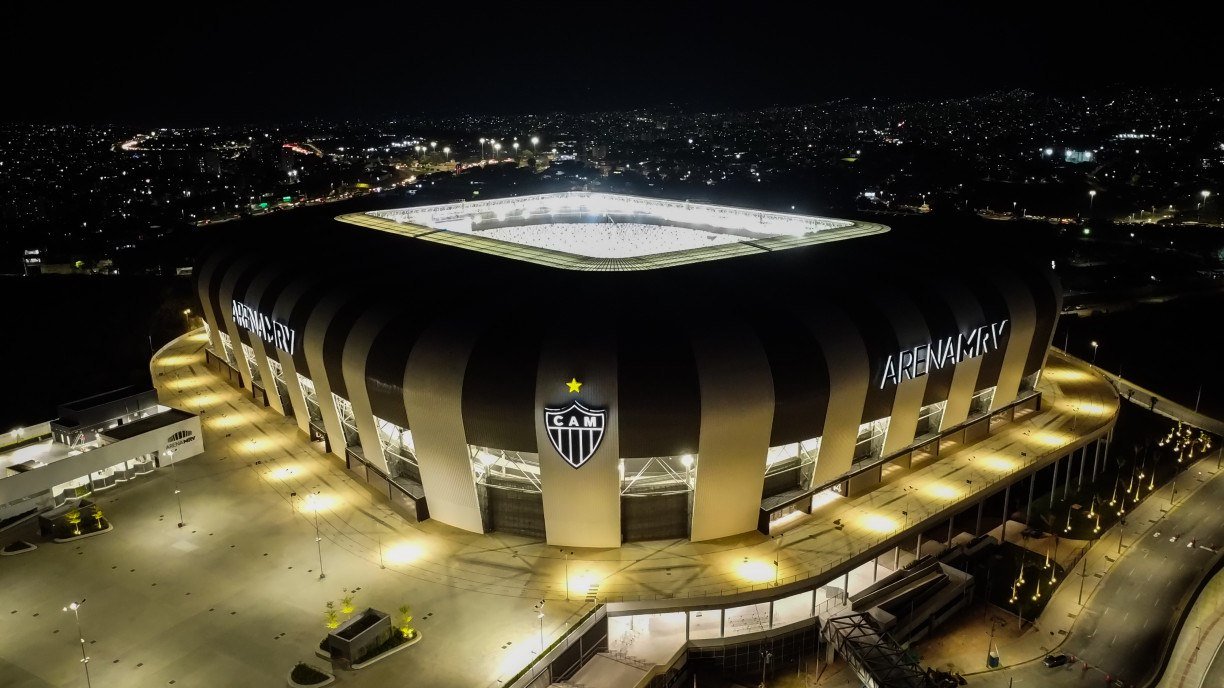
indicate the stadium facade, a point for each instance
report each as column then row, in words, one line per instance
column 594, row 369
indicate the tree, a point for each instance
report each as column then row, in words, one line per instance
column 331, row 619
column 74, row 519
column 346, row 603
column 405, row 623
column 97, row 515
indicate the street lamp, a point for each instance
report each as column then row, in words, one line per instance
column 433, row 146
column 313, row 501
column 1091, row 198
column 446, row 151
column 497, row 149
column 687, row 461
column 177, row 492
column 516, row 147
column 539, row 610
column 482, row 143
column 75, row 607
column 1203, row 206
column 1095, row 346
column 535, row 141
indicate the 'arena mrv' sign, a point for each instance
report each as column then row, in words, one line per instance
column 940, row 353
column 270, row 331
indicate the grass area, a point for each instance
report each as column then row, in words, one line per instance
column 1032, row 595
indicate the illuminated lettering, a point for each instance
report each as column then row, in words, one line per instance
column 937, row 354
column 270, row 331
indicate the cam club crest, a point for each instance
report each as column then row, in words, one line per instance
column 575, row 431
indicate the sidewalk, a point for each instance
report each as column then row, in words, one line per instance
column 1062, row 611
column 1199, row 642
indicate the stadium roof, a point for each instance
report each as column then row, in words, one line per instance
column 609, row 232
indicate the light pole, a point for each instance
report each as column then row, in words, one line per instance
column 567, row 578
column 75, row 607
column 187, row 317
column 766, row 655
column 778, row 558
column 1091, row 198
column 1095, row 347
column 177, row 492
column 535, row 141
column 446, row 152
column 1203, row 205
column 497, row 149
column 313, row 501
column 539, row 609
column 482, row 143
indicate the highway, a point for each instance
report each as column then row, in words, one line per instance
column 1133, row 611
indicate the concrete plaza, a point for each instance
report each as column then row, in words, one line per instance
column 235, row 597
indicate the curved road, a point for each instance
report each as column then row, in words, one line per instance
column 1122, row 630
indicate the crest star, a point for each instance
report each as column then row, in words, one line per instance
column 574, row 385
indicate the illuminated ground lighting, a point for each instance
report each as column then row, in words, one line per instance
column 285, row 472
column 1050, row 438
column 824, row 497
column 879, row 523
column 580, row 583
column 319, row 503
column 204, row 399
column 183, row 383
column 1065, row 375
column 755, row 571
column 403, row 553
column 999, row 463
column 1093, row 409
column 943, row 491
column 178, row 360
column 226, row 422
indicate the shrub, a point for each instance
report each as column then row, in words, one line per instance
column 306, row 674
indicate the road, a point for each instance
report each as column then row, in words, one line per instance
column 1133, row 611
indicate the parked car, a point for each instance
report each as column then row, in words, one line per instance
column 1055, row 660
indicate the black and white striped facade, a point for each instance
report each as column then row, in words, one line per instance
column 430, row 369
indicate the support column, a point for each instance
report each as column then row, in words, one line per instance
column 1028, row 511
column 1054, row 483
column 977, row 527
column 1083, row 460
column 1096, row 456
column 1006, row 503
column 846, row 587
column 875, row 576
column 949, row 540
column 1067, row 482
column 918, row 547
column 896, row 558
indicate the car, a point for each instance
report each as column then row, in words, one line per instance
column 1055, row 660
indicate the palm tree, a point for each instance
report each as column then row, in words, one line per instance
column 406, row 621
column 332, row 620
column 74, row 519
column 97, row 514
column 346, row 603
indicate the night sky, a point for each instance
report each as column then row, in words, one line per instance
column 300, row 61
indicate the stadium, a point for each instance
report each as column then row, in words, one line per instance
column 594, row 369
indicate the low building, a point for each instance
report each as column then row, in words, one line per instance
column 93, row 445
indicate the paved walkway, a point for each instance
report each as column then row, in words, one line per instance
column 1077, row 406
column 235, row 598
column 1160, row 404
